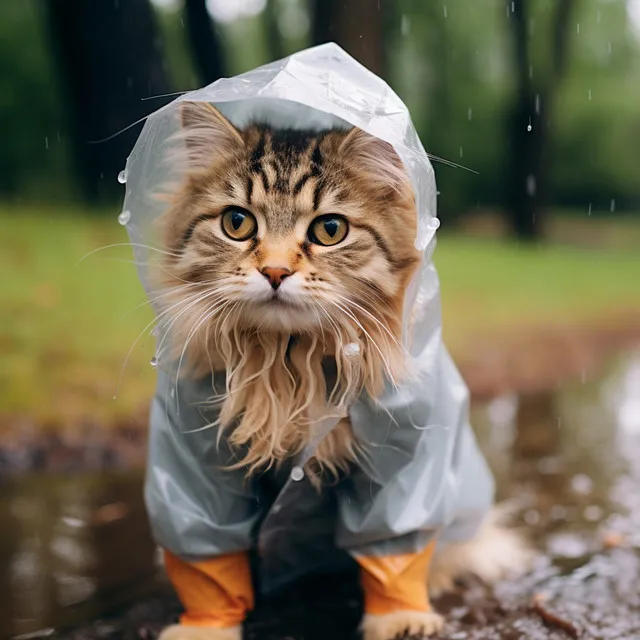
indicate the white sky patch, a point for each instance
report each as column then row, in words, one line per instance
column 633, row 11
column 221, row 10
column 231, row 10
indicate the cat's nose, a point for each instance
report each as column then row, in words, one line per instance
column 275, row 275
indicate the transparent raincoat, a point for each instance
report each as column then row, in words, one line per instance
column 422, row 474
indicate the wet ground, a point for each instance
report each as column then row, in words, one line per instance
column 77, row 562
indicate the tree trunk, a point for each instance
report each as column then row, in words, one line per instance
column 109, row 54
column 204, row 41
column 528, row 129
column 355, row 25
column 277, row 49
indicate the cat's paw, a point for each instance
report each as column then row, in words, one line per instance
column 186, row 632
column 401, row 625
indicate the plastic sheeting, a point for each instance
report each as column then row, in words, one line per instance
column 422, row 473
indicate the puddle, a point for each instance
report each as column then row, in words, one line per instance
column 75, row 546
column 71, row 547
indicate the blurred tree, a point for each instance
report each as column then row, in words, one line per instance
column 356, row 25
column 529, row 123
column 275, row 41
column 204, row 41
column 110, row 56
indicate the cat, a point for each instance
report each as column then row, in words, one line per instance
column 284, row 249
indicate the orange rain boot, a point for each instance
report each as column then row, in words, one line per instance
column 216, row 595
column 396, row 599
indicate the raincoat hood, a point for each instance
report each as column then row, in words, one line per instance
column 421, row 472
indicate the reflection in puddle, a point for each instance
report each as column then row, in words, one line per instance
column 74, row 546
column 70, row 548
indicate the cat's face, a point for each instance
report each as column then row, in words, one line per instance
column 289, row 231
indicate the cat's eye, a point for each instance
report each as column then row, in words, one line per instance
column 239, row 224
column 328, row 230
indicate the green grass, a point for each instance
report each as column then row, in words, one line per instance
column 66, row 326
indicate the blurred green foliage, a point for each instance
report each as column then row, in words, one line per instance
column 451, row 61
column 76, row 325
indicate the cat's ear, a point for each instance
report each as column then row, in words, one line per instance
column 207, row 133
column 375, row 158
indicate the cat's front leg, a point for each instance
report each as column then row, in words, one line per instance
column 396, row 598
column 216, row 593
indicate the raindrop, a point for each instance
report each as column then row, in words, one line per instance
column 124, row 217
column 530, row 71
column 557, row 512
column 153, row 362
column 297, row 473
column 405, row 25
column 469, row 113
column 612, row 206
column 589, row 212
column 122, row 176
column 598, row 16
column 531, row 185
column 513, row 7
column 445, row 10
column 46, row 142
column 461, row 152
column 582, row 484
column 532, row 517
column 351, row 349
column 578, row 28
column 114, row 398
column 172, row 393
column 593, row 513
column 434, row 223
column 608, row 47
column 583, row 376
column 529, row 127
column 589, row 94
column 538, row 103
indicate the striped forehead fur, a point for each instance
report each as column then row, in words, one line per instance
column 351, row 292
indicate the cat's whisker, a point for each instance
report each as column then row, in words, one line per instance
column 370, row 339
column 135, row 342
column 126, row 244
column 352, row 303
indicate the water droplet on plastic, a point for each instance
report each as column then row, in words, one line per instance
column 124, row 217
column 351, row 349
column 434, row 223
column 122, row 176
column 582, row 484
column 529, row 127
column 297, row 473
column 153, row 362
column 114, row 398
column 593, row 513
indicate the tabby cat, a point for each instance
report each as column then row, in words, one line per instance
column 284, row 250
